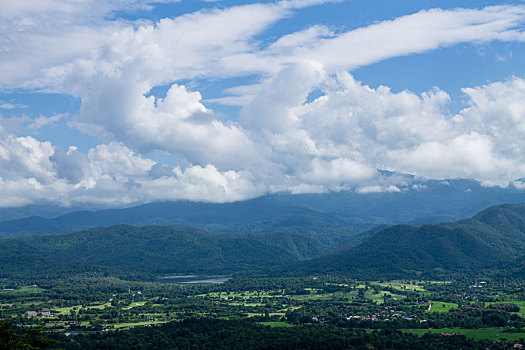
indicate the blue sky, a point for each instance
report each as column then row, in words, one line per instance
column 108, row 103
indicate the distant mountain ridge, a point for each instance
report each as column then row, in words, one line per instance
column 490, row 240
column 323, row 214
column 211, row 216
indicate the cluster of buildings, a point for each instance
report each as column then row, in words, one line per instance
column 45, row 312
column 382, row 316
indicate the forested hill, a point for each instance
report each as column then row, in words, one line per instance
column 150, row 249
column 492, row 239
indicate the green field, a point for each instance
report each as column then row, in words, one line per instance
column 137, row 324
column 101, row 306
column 134, row 304
column 378, row 297
column 25, row 289
column 440, row 306
column 401, row 286
column 520, row 303
column 66, row 310
column 275, row 324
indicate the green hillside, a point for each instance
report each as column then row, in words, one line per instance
column 492, row 239
column 150, row 249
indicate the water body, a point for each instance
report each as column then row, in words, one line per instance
column 196, row 279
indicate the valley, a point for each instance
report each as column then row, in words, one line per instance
column 243, row 174
column 481, row 311
column 449, row 284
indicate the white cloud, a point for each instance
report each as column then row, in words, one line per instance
column 178, row 123
column 108, row 175
column 419, row 32
column 416, row 33
column 346, row 135
column 25, row 157
column 281, row 141
column 270, row 109
column 36, row 35
column 470, row 156
column 42, row 121
column 23, row 124
column 355, row 126
column 90, row 8
column 338, row 171
column 9, row 105
column 203, row 183
column 221, row 43
column 184, row 47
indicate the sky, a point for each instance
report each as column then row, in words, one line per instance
column 112, row 103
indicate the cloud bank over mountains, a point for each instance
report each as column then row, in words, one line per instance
column 282, row 139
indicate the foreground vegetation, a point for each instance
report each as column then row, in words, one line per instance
column 298, row 312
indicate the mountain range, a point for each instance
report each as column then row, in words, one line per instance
column 490, row 242
column 333, row 218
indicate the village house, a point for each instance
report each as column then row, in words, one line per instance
column 45, row 312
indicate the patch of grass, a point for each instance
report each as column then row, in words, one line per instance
column 246, row 304
column 136, row 324
column 275, row 324
column 440, row 306
column 100, row 307
column 66, row 310
column 311, row 297
column 25, row 289
column 401, row 286
column 378, row 298
column 134, row 304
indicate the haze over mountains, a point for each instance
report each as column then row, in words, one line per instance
column 328, row 213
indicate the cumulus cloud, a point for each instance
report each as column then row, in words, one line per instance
column 178, row 124
column 37, row 35
column 337, row 141
column 109, row 174
column 352, row 129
